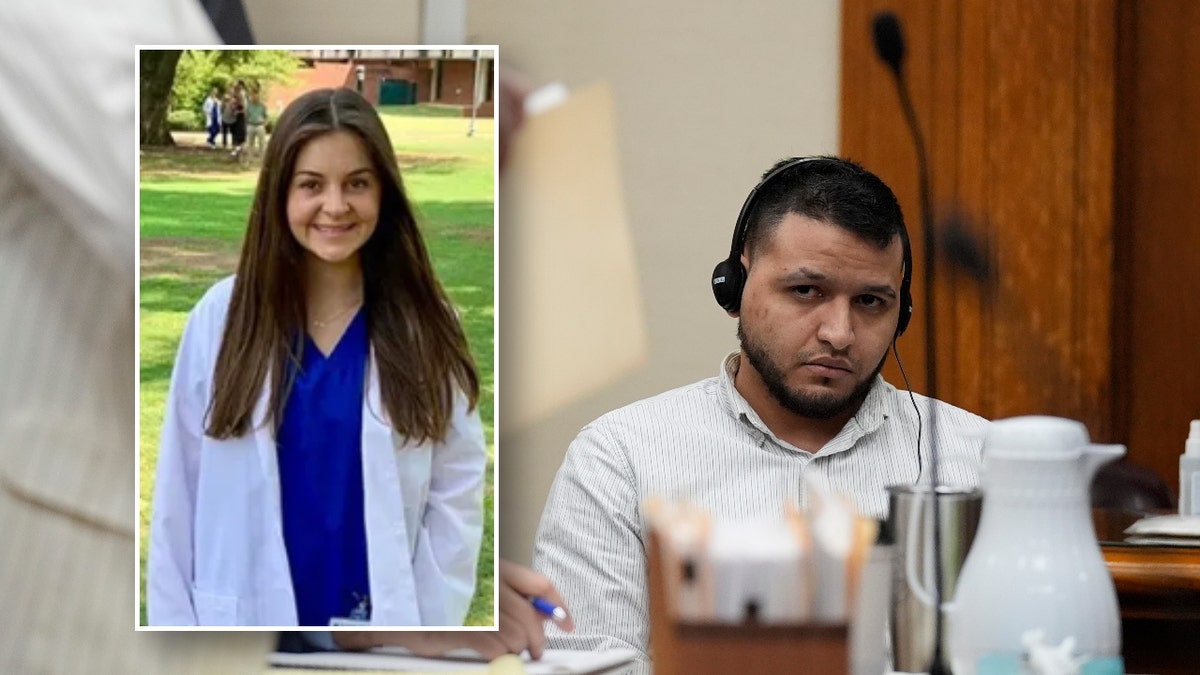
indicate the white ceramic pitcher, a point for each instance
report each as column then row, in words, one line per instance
column 1035, row 564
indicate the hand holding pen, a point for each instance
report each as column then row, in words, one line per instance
column 527, row 599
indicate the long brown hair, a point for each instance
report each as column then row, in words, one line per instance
column 418, row 344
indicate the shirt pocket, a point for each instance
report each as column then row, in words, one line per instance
column 213, row 609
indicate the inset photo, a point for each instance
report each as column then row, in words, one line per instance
column 317, row 339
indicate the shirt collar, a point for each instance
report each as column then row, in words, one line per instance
column 875, row 409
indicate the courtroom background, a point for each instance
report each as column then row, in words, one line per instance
column 1067, row 129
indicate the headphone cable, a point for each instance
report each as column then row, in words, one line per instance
column 920, row 467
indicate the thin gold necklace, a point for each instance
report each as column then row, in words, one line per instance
column 322, row 323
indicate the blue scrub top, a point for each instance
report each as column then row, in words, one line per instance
column 321, row 482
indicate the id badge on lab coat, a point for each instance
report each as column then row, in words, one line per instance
column 359, row 616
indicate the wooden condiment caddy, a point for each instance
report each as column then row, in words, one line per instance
column 681, row 648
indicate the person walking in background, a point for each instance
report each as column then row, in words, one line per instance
column 237, row 127
column 322, row 457
column 256, row 123
column 227, row 115
column 212, row 116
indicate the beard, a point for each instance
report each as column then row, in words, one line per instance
column 812, row 406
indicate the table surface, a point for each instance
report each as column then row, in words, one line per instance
column 1155, row 583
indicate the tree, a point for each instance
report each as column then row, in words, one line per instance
column 158, row 77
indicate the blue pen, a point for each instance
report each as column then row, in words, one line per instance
column 548, row 608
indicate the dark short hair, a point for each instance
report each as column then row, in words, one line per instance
column 832, row 190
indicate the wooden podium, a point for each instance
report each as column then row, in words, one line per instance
column 745, row 649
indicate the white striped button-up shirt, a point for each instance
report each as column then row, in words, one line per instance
column 704, row 442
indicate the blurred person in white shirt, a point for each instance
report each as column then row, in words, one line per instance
column 67, row 414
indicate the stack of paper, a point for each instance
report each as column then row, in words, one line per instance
column 553, row 661
column 1170, row 530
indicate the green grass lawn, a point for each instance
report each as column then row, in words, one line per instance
column 194, row 204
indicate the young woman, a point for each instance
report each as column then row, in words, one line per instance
column 322, row 459
column 238, row 124
column 227, row 114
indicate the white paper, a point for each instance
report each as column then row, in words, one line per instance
column 1167, row 526
column 553, row 661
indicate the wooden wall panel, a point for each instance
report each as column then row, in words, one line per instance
column 1015, row 99
column 970, row 187
column 872, row 118
column 1158, row 229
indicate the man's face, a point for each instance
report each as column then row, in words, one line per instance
column 818, row 313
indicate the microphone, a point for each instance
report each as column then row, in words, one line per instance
column 889, row 45
column 889, row 42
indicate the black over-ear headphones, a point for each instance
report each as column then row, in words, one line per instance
column 729, row 276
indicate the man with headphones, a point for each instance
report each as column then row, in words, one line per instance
column 819, row 278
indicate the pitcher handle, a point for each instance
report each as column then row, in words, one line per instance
column 910, row 558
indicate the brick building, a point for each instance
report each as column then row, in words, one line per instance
column 442, row 76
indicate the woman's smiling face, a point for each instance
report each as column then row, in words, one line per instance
column 334, row 197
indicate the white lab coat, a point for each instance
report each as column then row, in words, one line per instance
column 217, row 554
